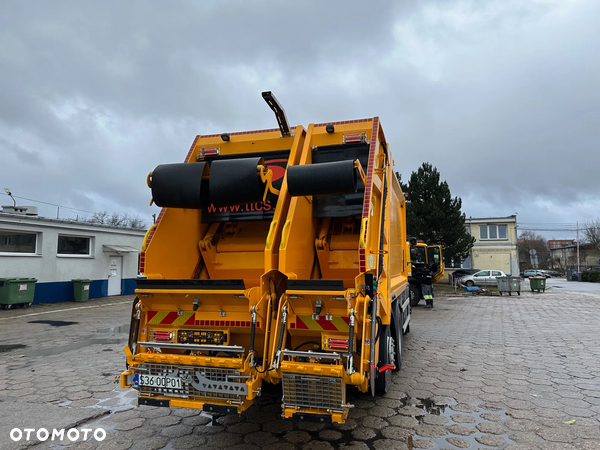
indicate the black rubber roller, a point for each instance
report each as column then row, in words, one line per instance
column 178, row 185
column 339, row 177
column 235, row 182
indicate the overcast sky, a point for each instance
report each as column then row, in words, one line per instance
column 503, row 97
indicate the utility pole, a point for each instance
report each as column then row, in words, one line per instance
column 578, row 268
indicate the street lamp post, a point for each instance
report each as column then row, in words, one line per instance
column 7, row 190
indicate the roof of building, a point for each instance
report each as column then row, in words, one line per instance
column 47, row 221
column 507, row 219
column 582, row 246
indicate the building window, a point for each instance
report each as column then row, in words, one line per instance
column 493, row 232
column 458, row 263
column 18, row 242
column 74, row 245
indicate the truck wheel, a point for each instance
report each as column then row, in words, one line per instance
column 398, row 348
column 415, row 295
column 383, row 380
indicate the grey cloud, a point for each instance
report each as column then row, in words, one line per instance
column 502, row 97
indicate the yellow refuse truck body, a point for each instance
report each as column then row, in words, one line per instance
column 278, row 256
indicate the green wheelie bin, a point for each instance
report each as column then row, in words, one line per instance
column 16, row 292
column 537, row 283
column 81, row 289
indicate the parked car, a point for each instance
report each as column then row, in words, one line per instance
column 459, row 273
column 534, row 273
column 554, row 273
column 482, row 278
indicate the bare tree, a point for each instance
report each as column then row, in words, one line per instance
column 99, row 218
column 118, row 220
column 591, row 232
column 532, row 247
column 136, row 223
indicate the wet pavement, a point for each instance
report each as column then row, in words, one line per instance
column 479, row 372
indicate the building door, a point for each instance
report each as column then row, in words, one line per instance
column 114, row 275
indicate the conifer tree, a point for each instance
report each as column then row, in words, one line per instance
column 433, row 215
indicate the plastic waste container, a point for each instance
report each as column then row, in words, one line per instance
column 537, row 283
column 16, row 291
column 509, row 284
column 81, row 290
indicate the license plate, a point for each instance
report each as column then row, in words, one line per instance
column 158, row 381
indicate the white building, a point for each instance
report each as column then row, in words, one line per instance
column 57, row 251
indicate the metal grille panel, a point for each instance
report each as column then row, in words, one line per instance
column 189, row 391
column 313, row 392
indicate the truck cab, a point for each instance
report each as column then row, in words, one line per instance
column 425, row 266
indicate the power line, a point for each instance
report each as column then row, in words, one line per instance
column 52, row 204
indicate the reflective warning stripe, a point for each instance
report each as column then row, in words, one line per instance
column 306, row 322
column 171, row 318
column 189, row 318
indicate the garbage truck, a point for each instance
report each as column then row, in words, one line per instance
column 426, row 266
column 279, row 256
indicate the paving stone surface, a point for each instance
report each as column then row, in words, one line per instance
column 517, row 372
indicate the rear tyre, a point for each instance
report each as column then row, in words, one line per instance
column 469, row 283
column 397, row 332
column 383, row 380
column 415, row 295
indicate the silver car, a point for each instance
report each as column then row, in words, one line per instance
column 482, row 278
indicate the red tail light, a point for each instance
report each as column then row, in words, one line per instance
column 162, row 335
column 338, row 344
column 355, row 137
column 212, row 151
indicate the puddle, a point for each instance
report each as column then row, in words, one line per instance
column 122, row 401
column 74, row 346
column 8, row 348
column 447, row 411
column 54, row 323
column 426, row 404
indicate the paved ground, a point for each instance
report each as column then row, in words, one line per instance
column 518, row 372
column 572, row 286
